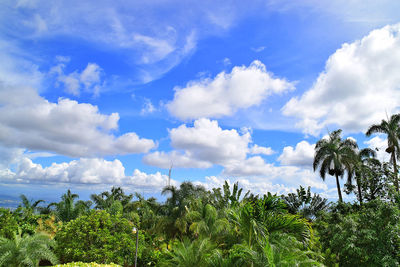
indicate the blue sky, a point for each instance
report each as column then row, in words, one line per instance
column 103, row 94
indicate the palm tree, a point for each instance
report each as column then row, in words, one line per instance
column 26, row 250
column 195, row 253
column 305, row 204
column 392, row 129
column 362, row 157
column 335, row 156
column 106, row 199
column 174, row 220
column 29, row 207
column 67, row 209
column 207, row 222
column 225, row 198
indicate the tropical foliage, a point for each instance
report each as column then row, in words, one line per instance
column 223, row 226
column 26, row 250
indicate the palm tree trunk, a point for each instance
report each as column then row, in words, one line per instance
column 359, row 190
column 396, row 182
column 338, row 188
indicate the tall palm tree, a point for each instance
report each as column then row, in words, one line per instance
column 392, row 129
column 362, row 157
column 26, row 250
column 335, row 156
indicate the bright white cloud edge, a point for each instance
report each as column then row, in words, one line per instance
column 225, row 94
column 359, row 85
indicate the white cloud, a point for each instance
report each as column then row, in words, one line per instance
column 204, row 144
column 379, row 144
column 9, row 156
column 263, row 184
column 301, row 155
column 255, row 187
column 363, row 12
column 90, row 171
column 253, row 166
column 148, row 107
column 149, row 181
column 96, row 171
column 258, row 49
column 174, row 158
column 15, row 69
column 261, row 150
column 226, row 61
column 226, row 93
column 208, row 141
column 84, row 171
column 156, row 49
column 89, row 79
column 67, row 127
column 359, row 85
column 153, row 44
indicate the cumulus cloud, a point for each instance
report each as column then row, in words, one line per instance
column 206, row 144
column 89, row 79
column 226, row 93
column 261, row 150
column 263, row 184
column 67, row 127
column 202, row 145
column 359, row 85
column 253, row 166
column 301, row 155
column 174, row 158
column 84, row 171
column 96, row 171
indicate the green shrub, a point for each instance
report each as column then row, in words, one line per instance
column 98, row 237
column 83, row 264
column 8, row 224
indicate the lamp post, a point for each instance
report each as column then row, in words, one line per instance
column 134, row 230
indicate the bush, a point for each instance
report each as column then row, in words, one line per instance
column 8, row 224
column 366, row 236
column 98, row 237
column 83, row 264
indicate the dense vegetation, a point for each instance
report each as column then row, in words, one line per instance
column 224, row 226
